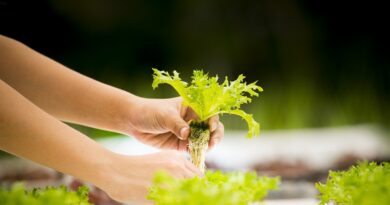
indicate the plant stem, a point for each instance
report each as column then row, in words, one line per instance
column 198, row 143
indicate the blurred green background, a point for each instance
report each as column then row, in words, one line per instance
column 321, row 63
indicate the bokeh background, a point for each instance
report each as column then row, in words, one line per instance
column 321, row 63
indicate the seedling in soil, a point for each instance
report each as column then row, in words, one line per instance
column 208, row 98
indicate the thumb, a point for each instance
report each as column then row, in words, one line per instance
column 178, row 126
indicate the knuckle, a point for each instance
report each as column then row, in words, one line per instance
column 176, row 128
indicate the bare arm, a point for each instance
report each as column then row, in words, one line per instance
column 62, row 92
column 29, row 132
column 72, row 97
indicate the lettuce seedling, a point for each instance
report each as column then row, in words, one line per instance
column 46, row 196
column 364, row 184
column 206, row 97
column 217, row 188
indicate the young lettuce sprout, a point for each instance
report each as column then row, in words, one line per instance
column 207, row 98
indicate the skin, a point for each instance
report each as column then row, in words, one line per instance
column 37, row 94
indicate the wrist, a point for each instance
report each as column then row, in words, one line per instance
column 119, row 178
column 103, row 171
column 127, row 108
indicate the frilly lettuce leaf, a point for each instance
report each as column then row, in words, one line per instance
column 18, row 194
column 217, row 188
column 208, row 98
column 362, row 184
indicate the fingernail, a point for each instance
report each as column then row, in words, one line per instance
column 183, row 133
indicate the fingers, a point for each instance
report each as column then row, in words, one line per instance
column 189, row 173
column 213, row 123
column 178, row 126
column 189, row 114
column 181, row 167
column 192, row 168
column 182, row 145
column 217, row 135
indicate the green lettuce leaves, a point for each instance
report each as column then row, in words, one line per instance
column 208, row 98
column 217, row 188
column 18, row 195
column 364, row 184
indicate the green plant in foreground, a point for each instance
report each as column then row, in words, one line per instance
column 207, row 98
column 364, row 184
column 18, row 195
column 217, row 188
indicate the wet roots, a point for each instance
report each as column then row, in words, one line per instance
column 198, row 143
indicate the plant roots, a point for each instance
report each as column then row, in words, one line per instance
column 199, row 143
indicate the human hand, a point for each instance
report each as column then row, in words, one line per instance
column 129, row 177
column 162, row 123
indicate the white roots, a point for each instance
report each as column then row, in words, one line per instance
column 198, row 144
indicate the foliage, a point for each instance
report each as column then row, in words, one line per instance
column 364, row 184
column 217, row 188
column 18, row 195
column 208, row 98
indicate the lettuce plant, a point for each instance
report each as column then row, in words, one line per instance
column 364, row 184
column 217, row 188
column 207, row 97
column 46, row 196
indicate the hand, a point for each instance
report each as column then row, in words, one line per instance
column 129, row 177
column 162, row 123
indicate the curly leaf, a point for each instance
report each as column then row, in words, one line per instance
column 208, row 98
column 217, row 188
column 363, row 184
column 253, row 126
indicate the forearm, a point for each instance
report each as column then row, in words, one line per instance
column 29, row 132
column 65, row 94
